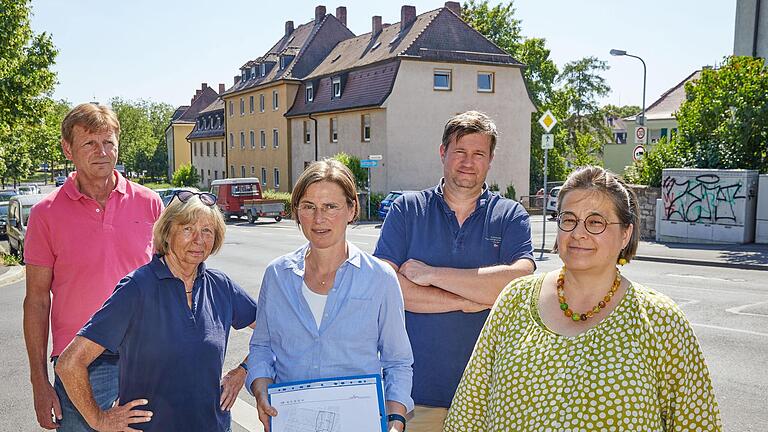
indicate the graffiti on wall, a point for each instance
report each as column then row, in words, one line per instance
column 705, row 198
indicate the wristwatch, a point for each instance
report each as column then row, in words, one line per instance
column 244, row 366
column 397, row 417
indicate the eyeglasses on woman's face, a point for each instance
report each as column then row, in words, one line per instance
column 594, row 223
column 329, row 210
column 206, row 198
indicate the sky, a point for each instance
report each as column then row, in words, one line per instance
column 163, row 50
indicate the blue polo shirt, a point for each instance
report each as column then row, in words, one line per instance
column 170, row 354
column 422, row 226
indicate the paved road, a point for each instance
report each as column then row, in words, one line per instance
column 729, row 310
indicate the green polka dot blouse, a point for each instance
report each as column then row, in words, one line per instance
column 641, row 368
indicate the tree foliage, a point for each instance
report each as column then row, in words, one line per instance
column 664, row 154
column 353, row 163
column 620, row 111
column 142, row 136
column 186, row 176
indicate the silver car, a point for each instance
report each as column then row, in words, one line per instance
column 28, row 190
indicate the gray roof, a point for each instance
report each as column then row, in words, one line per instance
column 665, row 107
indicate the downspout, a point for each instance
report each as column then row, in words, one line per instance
column 756, row 29
column 315, row 134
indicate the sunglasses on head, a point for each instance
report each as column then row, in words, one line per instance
column 206, row 198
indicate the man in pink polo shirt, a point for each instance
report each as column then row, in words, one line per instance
column 81, row 240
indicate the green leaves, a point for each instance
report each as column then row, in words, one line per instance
column 142, row 137
column 186, row 176
column 353, row 163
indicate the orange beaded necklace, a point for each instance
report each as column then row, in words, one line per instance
column 590, row 313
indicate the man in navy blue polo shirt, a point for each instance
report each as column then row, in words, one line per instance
column 455, row 247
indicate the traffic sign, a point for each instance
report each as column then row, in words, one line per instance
column 638, row 153
column 641, row 135
column 369, row 163
column 548, row 141
column 548, row 121
column 375, row 157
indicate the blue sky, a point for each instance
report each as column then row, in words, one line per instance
column 163, row 50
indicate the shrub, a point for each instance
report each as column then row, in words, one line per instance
column 376, row 199
column 647, row 171
column 186, row 175
column 285, row 197
column 511, row 193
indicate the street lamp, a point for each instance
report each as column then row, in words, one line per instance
column 618, row 53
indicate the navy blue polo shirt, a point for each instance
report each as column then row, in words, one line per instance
column 422, row 226
column 170, row 354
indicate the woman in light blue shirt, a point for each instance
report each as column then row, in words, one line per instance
column 329, row 309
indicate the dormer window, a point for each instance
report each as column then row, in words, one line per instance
column 243, row 76
column 263, row 69
column 253, row 72
column 282, row 62
column 336, row 87
column 310, row 92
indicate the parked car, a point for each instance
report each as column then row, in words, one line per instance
column 28, row 189
column 59, row 180
column 3, row 218
column 552, row 201
column 166, row 195
column 232, row 193
column 6, row 194
column 18, row 217
column 387, row 202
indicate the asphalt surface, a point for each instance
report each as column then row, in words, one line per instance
column 727, row 306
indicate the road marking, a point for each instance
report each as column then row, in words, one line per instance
column 705, row 277
column 246, row 416
column 653, row 285
column 730, row 329
column 738, row 310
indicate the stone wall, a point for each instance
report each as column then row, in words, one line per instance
column 646, row 200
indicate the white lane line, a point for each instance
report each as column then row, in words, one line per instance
column 246, row 416
column 654, row 285
column 730, row 329
column 705, row 278
column 738, row 310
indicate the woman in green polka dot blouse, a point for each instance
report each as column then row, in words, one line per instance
column 582, row 348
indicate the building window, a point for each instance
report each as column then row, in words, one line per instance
column 261, row 103
column 231, row 108
column 275, row 139
column 222, row 148
column 207, row 148
column 307, row 133
column 215, row 147
column 252, row 136
column 215, row 174
column 264, row 176
column 277, row 178
column 242, row 106
column 621, row 137
column 275, row 105
column 334, row 129
column 202, row 176
column 365, row 127
column 242, row 140
column 194, row 148
column 442, row 79
column 263, row 139
column 231, row 170
column 231, row 142
column 336, row 87
column 250, row 101
column 263, row 69
column 310, row 92
column 485, row 82
column 664, row 132
column 242, row 170
column 253, row 170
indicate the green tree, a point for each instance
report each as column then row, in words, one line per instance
column 142, row 125
column 353, row 163
column 723, row 122
column 620, row 111
column 664, row 154
column 186, row 175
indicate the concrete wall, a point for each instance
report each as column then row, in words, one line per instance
column 253, row 159
column 209, row 167
column 744, row 37
column 416, row 115
column 349, row 141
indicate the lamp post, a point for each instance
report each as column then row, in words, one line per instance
column 615, row 52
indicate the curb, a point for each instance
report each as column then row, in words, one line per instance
column 13, row 275
column 691, row 262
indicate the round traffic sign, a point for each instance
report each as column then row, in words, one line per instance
column 638, row 153
column 640, row 133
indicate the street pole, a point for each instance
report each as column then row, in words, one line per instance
column 544, row 207
column 615, row 52
column 369, row 194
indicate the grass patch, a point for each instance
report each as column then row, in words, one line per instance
column 158, row 185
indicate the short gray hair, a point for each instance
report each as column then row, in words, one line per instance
column 183, row 213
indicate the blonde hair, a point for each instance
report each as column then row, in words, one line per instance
column 184, row 213
column 92, row 117
column 329, row 170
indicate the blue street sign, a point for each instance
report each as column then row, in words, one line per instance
column 369, row 163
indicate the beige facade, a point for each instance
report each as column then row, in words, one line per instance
column 247, row 157
column 209, row 159
column 181, row 149
column 417, row 112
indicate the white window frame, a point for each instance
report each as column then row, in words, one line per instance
column 366, row 129
column 263, row 139
column 334, row 129
column 447, row 72
column 231, row 108
column 276, row 174
column 307, row 132
column 242, row 107
column 242, row 140
column 231, row 141
column 263, row 179
column 336, row 86
column 251, row 104
column 275, row 138
column 275, row 100
column 493, row 82
column 252, row 136
column 310, row 92
column 261, row 102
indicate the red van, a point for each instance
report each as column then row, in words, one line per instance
column 231, row 194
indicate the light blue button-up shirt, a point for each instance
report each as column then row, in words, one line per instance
column 362, row 330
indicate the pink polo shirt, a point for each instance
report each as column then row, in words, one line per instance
column 89, row 249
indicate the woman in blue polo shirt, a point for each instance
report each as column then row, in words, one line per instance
column 329, row 309
column 169, row 321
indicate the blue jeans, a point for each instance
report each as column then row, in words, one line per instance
column 103, row 374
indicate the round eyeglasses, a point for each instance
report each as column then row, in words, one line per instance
column 594, row 223
column 206, row 198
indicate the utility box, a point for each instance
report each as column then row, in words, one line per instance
column 761, row 227
column 708, row 206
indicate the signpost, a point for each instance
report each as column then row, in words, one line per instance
column 547, row 121
column 638, row 153
column 371, row 162
column 641, row 135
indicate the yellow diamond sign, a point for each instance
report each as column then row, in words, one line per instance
column 547, row 121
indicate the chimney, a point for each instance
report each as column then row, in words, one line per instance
column 454, row 7
column 197, row 93
column 237, row 79
column 341, row 14
column 407, row 16
column 375, row 25
column 222, row 89
column 319, row 13
column 204, row 86
column 288, row 27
